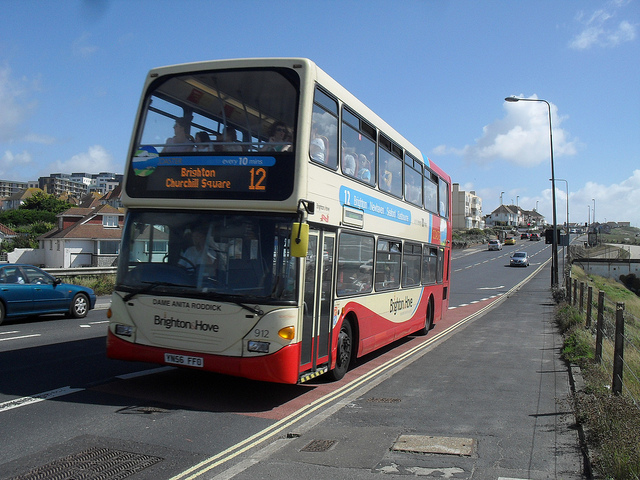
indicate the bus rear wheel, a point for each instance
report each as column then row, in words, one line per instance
column 428, row 320
column 344, row 351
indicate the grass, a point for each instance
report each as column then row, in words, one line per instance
column 612, row 422
column 101, row 284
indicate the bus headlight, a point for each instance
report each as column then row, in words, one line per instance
column 124, row 330
column 288, row 333
column 259, row 347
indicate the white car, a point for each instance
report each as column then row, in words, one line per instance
column 519, row 259
column 495, row 245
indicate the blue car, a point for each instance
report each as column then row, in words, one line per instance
column 27, row 290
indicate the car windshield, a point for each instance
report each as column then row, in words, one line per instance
column 518, row 254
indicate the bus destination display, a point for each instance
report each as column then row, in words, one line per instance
column 204, row 176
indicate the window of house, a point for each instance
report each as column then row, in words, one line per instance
column 109, row 247
column 109, row 220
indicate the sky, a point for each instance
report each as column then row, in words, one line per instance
column 71, row 74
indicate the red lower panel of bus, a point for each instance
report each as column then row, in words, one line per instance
column 280, row 367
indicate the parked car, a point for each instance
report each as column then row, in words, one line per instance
column 524, row 236
column 27, row 290
column 510, row 241
column 519, row 259
column 495, row 245
column 534, row 237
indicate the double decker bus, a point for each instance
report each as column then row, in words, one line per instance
column 276, row 227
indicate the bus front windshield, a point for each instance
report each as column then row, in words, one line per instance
column 226, row 134
column 207, row 255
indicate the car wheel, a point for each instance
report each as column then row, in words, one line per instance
column 2, row 312
column 79, row 306
column 344, row 351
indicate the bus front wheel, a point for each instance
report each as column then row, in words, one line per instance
column 344, row 351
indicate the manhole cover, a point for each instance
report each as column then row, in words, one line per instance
column 92, row 464
column 319, row 446
column 437, row 445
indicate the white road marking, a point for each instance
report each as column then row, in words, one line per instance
column 21, row 402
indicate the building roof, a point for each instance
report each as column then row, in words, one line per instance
column 83, row 228
column 6, row 231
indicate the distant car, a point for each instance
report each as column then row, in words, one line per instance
column 519, row 259
column 27, row 290
column 495, row 245
column 524, row 236
column 534, row 237
column 510, row 241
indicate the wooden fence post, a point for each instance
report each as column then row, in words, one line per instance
column 575, row 291
column 569, row 289
column 618, row 353
column 589, row 306
column 581, row 298
column 599, row 326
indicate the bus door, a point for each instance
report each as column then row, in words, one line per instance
column 318, row 304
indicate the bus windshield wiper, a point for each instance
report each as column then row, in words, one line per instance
column 230, row 298
column 152, row 286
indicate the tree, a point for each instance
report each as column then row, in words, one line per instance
column 44, row 202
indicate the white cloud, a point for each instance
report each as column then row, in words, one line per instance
column 521, row 138
column 14, row 109
column 618, row 202
column 82, row 47
column 599, row 29
column 11, row 163
column 96, row 159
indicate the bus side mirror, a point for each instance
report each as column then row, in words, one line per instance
column 299, row 239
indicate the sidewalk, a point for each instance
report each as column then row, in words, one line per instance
column 494, row 396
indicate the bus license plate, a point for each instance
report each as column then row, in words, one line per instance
column 184, row 360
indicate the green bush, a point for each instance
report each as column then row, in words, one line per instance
column 577, row 346
column 568, row 317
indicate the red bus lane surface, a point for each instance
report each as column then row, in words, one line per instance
column 219, row 393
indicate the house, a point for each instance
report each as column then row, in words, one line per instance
column 514, row 216
column 15, row 200
column 467, row 209
column 85, row 236
column 6, row 233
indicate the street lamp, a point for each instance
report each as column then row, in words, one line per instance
column 568, row 229
column 554, row 242
column 594, row 210
column 501, row 193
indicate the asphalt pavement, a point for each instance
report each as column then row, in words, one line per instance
column 489, row 402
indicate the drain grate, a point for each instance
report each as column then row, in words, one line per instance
column 319, row 446
column 92, row 464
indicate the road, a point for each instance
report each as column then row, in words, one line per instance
column 60, row 395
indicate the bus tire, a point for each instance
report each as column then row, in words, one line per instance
column 428, row 319
column 344, row 351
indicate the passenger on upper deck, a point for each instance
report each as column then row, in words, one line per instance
column 349, row 165
column 277, row 136
column 203, row 142
column 229, row 137
column 364, row 172
column 181, row 141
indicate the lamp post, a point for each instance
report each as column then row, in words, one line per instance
column 501, row 193
column 568, row 229
column 594, row 210
column 554, row 242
